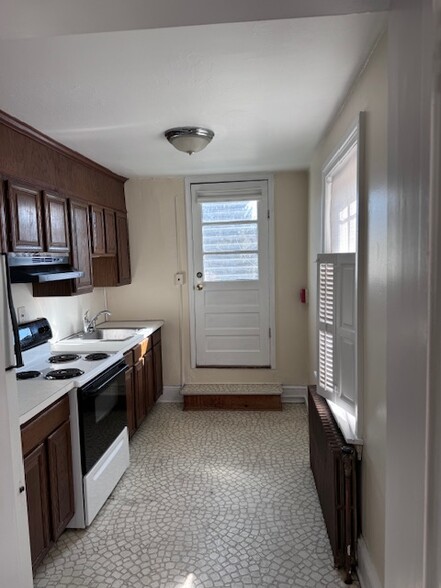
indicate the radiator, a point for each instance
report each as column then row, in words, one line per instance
column 334, row 466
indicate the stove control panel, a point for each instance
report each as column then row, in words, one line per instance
column 34, row 333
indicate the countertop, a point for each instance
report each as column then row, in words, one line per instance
column 34, row 396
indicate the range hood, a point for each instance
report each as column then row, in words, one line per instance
column 25, row 268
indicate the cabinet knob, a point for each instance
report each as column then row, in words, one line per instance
column 21, row 489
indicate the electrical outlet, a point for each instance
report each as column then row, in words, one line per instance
column 179, row 279
column 21, row 314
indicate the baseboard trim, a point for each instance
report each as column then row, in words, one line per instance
column 366, row 572
column 294, row 394
column 171, row 394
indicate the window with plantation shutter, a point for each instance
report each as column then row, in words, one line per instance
column 326, row 315
column 340, row 283
column 337, row 331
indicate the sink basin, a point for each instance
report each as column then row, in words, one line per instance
column 107, row 335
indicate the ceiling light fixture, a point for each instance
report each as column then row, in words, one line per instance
column 189, row 139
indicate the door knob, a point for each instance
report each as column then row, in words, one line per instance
column 200, row 286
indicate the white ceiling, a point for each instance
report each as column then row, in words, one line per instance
column 267, row 89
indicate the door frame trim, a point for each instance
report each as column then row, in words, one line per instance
column 214, row 179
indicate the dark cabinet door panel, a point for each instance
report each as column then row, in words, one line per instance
column 3, row 230
column 122, row 238
column 110, row 231
column 26, row 218
column 81, row 251
column 56, row 222
column 60, row 477
column 149, row 375
column 35, row 466
column 140, row 410
column 97, row 222
column 157, row 361
column 130, row 401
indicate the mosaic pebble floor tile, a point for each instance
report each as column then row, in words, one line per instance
column 211, row 500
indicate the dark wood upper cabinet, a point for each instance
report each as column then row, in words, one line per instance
column 98, row 235
column 110, row 231
column 37, row 493
column 122, row 239
column 25, row 209
column 3, row 233
column 56, row 223
column 81, row 246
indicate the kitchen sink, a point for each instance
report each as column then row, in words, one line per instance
column 106, row 335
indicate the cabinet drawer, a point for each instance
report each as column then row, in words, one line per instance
column 156, row 337
column 36, row 431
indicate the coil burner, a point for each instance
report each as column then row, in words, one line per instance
column 28, row 375
column 96, row 356
column 63, row 358
column 65, row 374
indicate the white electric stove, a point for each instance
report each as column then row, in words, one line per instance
column 98, row 415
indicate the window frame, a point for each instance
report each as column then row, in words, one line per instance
column 356, row 134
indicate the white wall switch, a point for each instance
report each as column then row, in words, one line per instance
column 180, row 279
column 21, row 314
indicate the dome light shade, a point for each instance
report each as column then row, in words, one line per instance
column 189, row 139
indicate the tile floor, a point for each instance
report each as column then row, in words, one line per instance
column 211, row 499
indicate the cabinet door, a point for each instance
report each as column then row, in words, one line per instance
column 140, row 410
column 56, row 223
column 122, row 239
column 157, row 361
column 3, row 239
column 37, row 494
column 110, row 231
column 130, row 401
column 60, row 478
column 80, row 239
column 149, row 376
column 97, row 222
column 26, row 218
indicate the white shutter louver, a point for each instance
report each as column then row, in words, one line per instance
column 326, row 318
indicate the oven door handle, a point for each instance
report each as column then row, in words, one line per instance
column 92, row 390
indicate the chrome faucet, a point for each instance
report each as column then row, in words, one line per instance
column 89, row 325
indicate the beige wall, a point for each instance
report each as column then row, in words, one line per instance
column 156, row 209
column 64, row 313
column 370, row 95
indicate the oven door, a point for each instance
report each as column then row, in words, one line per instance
column 102, row 414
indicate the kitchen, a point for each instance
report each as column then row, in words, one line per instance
column 65, row 314
column 156, row 213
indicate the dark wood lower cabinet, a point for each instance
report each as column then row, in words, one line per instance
column 35, row 466
column 140, row 404
column 60, row 478
column 130, row 400
column 157, row 361
column 149, row 376
column 143, row 380
column 47, row 447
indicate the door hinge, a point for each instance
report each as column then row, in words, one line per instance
column 269, row 332
column 268, row 214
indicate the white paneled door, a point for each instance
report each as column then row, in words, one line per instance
column 230, row 248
